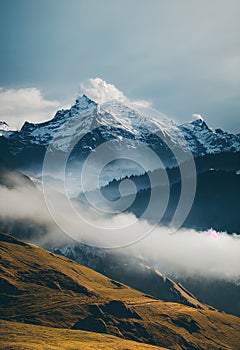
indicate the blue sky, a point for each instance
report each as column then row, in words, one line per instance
column 182, row 56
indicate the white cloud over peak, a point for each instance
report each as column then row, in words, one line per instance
column 197, row 116
column 100, row 91
column 25, row 104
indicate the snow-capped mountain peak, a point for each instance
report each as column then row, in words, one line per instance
column 91, row 124
column 84, row 102
column 200, row 123
column 121, row 120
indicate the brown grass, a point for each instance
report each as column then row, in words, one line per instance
column 20, row 336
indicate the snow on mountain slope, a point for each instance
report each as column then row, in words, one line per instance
column 120, row 121
column 63, row 127
column 144, row 124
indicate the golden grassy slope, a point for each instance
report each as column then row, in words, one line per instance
column 41, row 288
column 20, row 336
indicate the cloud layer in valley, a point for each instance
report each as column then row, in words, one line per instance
column 185, row 253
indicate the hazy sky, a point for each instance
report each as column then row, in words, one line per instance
column 181, row 55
